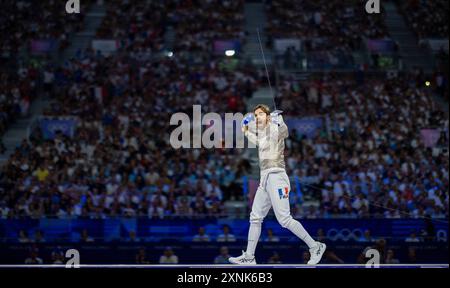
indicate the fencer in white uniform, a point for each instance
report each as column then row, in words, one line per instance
column 268, row 132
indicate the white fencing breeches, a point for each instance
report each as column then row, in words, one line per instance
column 273, row 191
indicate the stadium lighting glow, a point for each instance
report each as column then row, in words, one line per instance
column 229, row 53
column 169, row 54
column 427, row 83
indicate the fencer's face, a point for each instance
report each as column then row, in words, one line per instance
column 261, row 118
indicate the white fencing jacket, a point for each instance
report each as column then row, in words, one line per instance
column 270, row 143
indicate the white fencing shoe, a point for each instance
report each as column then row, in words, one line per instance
column 244, row 259
column 316, row 253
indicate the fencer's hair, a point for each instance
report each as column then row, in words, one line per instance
column 263, row 107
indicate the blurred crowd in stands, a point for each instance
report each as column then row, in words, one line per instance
column 428, row 19
column 370, row 149
column 119, row 161
column 20, row 25
column 114, row 165
column 330, row 31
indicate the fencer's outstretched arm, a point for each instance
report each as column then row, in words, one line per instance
column 283, row 131
column 251, row 136
column 280, row 127
column 278, row 130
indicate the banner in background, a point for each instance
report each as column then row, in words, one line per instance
column 430, row 137
column 437, row 44
column 69, row 230
column 106, row 47
column 49, row 127
column 305, row 126
column 41, row 46
column 281, row 45
column 220, row 46
column 380, row 45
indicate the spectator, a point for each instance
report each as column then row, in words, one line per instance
column 380, row 246
column 23, row 237
column 38, row 237
column 85, row 237
column 168, row 257
column 132, row 237
column 361, row 258
column 57, row 257
column 34, row 258
column 201, row 236
column 366, row 237
column 226, row 236
column 156, row 209
column 271, row 237
column 222, row 258
column 390, row 257
column 4, row 210
column 305, row 257
column 321, row 235
column 274, row 259
column 42, row 173
column 412, row 256
column 198, row 206
column 412, row 238
column 141, row 256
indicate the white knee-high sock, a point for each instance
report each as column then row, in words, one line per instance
column 253, row 236
column 300, row 232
